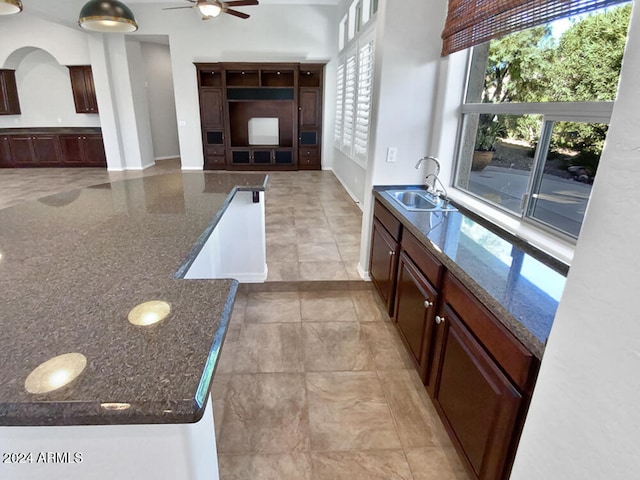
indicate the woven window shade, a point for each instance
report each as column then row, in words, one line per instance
column 472, row 22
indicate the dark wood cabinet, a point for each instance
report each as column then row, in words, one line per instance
column 83, row 150
column 34, row 150
column 9, row 102
column 415, row 307
column 477, row 402
column 232, row 95
column 83, row 88
column 50, row 148
column 383, row 263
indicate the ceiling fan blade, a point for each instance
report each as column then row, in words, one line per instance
column 236, row 13
column 176, row 8
column 241, row 3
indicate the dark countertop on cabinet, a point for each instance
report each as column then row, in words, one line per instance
column 520, row 284
column 72, row 265
column 50, row 130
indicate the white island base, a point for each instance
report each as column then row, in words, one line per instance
column 101, row 452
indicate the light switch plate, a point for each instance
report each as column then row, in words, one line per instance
column 392, row 154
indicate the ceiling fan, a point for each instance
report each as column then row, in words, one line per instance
column 213, row 8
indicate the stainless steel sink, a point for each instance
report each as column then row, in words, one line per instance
column 420, row 201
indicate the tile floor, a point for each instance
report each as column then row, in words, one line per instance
column 313, row 380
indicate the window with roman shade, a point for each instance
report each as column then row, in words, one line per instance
column 472, row 22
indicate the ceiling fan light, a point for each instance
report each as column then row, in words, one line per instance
column 209, row 10
column 9, row 7
column 110, row 16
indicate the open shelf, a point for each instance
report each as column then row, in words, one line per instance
column 243, row 78
column 210, row 78
column 277, row 78
column 309, row 78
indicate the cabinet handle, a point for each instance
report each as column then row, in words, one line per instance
column 439, row 319
column 428, row 304
column 391, row 253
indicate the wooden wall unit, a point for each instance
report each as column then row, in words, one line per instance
column 9, row 103
column 233, row 93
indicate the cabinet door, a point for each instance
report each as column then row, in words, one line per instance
column 383, row 262
column 9, row 103
column 47, row 150
column 477, row 402
column 5, row 152
column 72, row 151
column 94, row 153
column 310, row 110
column 83, row 89
column 22, row 151
column 211, row 104
column 415, row 306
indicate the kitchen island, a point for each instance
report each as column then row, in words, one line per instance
column 73, row 267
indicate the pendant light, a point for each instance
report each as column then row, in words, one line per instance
column 110, row 16
column 209, row 9
column 9, row 7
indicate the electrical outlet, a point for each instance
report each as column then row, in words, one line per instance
column 392, row 154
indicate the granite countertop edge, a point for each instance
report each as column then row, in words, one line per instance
column 535, row 346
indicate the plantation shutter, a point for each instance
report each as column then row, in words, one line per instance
column 363, row 102
column 349, row 100
column 339, row 104
column 472, row 22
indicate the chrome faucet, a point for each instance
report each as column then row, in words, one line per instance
column 429, row 157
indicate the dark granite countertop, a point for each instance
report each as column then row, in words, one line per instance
column 49, row 130
column 520, row 284
column 72, row 266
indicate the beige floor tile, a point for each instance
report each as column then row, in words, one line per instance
column 434, row 464
column 273, row 307
column 283, row 271
column 218, row 393
column 386, row 348
column 335, row 346
column 407, row 404
column 290, row 466
column 314, row 234
column 281, row 252
column 265, row 413
column 322, row 271
column 269, row 347
column 369, row 307
column 348, row 411
column 318, row 252
column 382, row 465
column 327, row 307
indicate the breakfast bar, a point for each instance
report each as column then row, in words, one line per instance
column 107, row 348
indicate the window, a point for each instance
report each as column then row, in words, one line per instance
column 535, row 117
column 342, row 31
column 363, row 101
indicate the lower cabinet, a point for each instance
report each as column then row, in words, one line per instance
column 54, row 149
column 415, row 307
column 479, row 405
column 261, row 157
column 383, row 263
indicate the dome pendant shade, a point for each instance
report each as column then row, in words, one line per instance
column 9, row 7
column 110, row 16
column 209, row 9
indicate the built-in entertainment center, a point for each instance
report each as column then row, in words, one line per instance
column 261, row 116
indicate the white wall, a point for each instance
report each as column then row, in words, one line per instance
column 584, row 421
column 161, row 100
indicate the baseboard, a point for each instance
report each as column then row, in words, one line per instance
column 170, row 157
column 363, row 273
column 346, row 189
column 199, row 169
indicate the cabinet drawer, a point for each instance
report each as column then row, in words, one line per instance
column 215, row 151
column 514, row 359
column 309, row 153
column 424, row 260
column 386, row 218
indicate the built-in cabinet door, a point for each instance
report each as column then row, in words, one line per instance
column 94, row 152
column 5, row 152
column 477, row 402
column 9, row 103
column 22, row 151
column 415, row 307
column 310, row 108
column 72, row 152
column 383, row 263
column 47, row 150
column 83, row 88
column 212, row 107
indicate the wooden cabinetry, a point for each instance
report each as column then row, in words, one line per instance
column 233, row 95
column 83, row 88
column 384, row 254
column 9, row 103
column 46, row 148
column 83, row 150
column 478, row 374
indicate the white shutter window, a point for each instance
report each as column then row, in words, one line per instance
column 363, row 101
column 339, row 105
column 349, row 102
